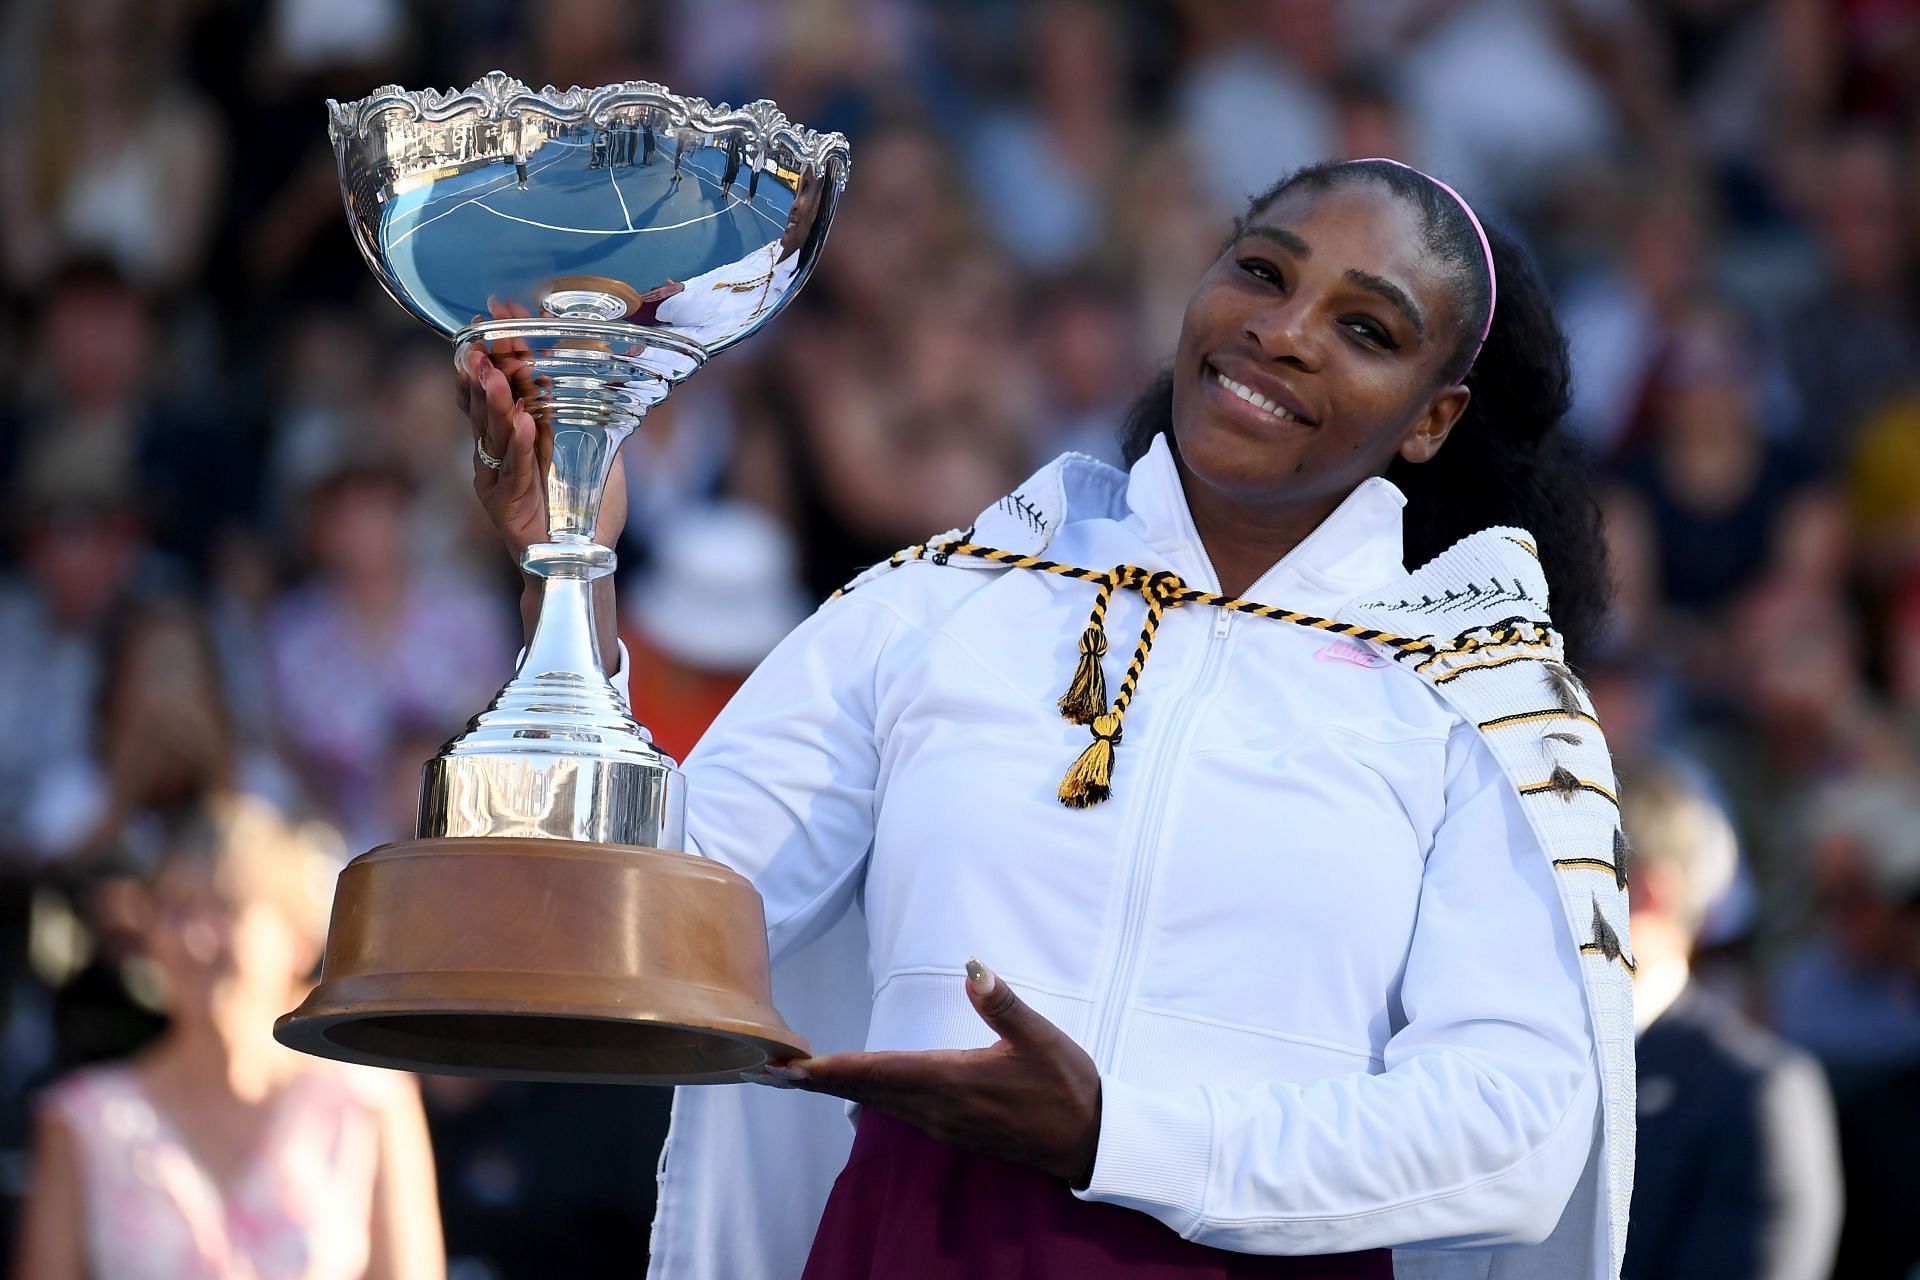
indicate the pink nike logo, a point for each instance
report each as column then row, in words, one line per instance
column 1350, row 652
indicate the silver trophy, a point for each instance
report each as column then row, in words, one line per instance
column 544, row 924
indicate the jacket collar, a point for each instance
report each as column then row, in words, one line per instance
column 1358, row 545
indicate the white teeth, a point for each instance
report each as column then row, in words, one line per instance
column 1253, row 397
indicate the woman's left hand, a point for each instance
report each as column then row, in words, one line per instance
column 1031, row 1098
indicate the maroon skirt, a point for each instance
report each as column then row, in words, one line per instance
column 907, row 1205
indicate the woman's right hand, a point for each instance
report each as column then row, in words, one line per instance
column 495, row 389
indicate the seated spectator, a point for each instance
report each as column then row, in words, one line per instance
column 1738, row 1170
column 721, row 594
column 1726, row 514
column 1856, row 337
column 1716, row 490
column 133, row 170
column 83, row 555
column 103, row 386
column 1852, row 993
column 163, row 742
column 1088, row 366
column 1855, row 996
column 218, row 1154
column 365, row 649
column 1045, row 167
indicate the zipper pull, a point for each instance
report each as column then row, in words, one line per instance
column 1221, row 623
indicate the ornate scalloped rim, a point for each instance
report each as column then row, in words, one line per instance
column 497, row 96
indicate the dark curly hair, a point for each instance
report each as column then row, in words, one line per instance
column 1509, row 460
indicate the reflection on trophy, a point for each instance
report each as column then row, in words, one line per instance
column 544, row 924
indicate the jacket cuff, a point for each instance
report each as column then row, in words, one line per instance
column 1155, row 1153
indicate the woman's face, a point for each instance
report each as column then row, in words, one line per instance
column 214, row 944
column 1328, row 310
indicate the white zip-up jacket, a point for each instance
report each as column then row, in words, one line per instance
column 1340, row 993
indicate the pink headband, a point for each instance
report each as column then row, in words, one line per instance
column 1493, row 283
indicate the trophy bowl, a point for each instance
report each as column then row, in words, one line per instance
column 545, row 922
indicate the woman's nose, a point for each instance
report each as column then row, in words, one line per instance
column 1282, row 333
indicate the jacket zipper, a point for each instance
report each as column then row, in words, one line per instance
column 1139, row 873
column 1147, row 845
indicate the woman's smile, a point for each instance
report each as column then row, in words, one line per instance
column 1254, row 398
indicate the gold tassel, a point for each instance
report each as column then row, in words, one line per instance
column 1086, row 696
column 1090, row 780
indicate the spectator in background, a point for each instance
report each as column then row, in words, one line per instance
column 1043, row 168
column 273, row 64
column 105, row 387
column 318, row 414
column 1087, row 360
column 163, row 743
column 82, row 555
column 589, row 42
column 1722, row 502
column 116, row 143
column 1903, row 653
column 687, row 452
column 1497, row 90
column 1852, row 345
column 1738, row 1163
column 1249, row 108
column 908, row 214
column 1855, row 998
column 1867, row 53
column 1719, row 66
column 365, row 651
column 1169, row 230
column 1371, row 119
column 917, row 407
column 1619, row 318
column 720, row 595
column 1851, row 994
column 217, row 1154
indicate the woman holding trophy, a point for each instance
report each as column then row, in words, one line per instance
column 1306, row 924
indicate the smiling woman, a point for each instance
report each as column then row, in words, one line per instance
column 1405, row 377
column 1323, row 971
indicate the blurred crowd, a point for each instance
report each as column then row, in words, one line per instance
column 241, row 556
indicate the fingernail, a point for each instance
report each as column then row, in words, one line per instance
column 979, row 977
column 780, row 1072
column 761, row 1076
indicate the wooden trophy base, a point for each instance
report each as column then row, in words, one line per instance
column 541, row 959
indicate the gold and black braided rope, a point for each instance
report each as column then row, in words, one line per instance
column 940, row 552
column 1089, row 781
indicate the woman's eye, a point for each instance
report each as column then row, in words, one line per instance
column 1260, row 269
column 1372, row 331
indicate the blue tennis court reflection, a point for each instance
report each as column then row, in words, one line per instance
column 584, row 203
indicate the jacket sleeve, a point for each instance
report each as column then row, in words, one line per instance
column 1476, row 1131
column 781, row 786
